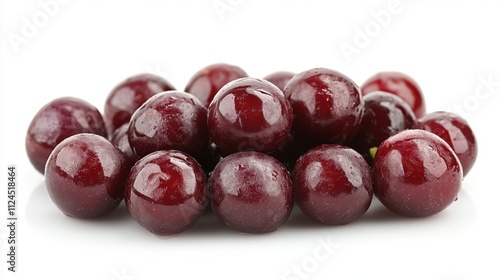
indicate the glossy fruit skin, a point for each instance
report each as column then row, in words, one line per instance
column 120, row 140
column 249, row 114
column 129, row 95
column 385, row 115
column 332, row 184
column 327, row 107
column 280, row 78
column 85, row 176
column 399, row 84
column 166, row 192
column 171, row 120
column 456, row 132
column 208, row 81
column 56, row 121
column 251, row 192
column 416, row 173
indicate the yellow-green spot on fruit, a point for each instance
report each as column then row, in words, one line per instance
column 373, row 151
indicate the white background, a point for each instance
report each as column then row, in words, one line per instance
column 84, row 48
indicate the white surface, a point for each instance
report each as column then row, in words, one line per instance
column 86, row 47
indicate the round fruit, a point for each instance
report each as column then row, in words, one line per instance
column 399, row 84
column 249, row 114
column 385, row 115
column 170, row 120
column 456, row 132
column 120, row 140
column 56, row 121
column 332, row 184
column 251, row 192
column 166, row 192
column 128, row 95
column 279, row 79
column 327, row 106
column 85, row 176
column 208, row 81
column 416, row 173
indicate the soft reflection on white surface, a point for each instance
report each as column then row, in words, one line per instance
column 45, row 219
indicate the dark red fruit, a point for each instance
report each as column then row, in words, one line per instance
column 56, row 121
column 251, row 192
column 85, row 176
column 208, row 81
column 327, row 106
column 129, row 95
column 280, row 79
column 249, row 114
column 385, row 115
column 399, row 84
column 170, row 120
column 456, row 132
column 166, row 192
column 416, row 173
column 332, row 184
column 120, row 140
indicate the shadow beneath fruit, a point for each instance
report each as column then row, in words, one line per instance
column 379, row 213
column 43, row 216
column 298, row 220
column 45, row 220
column 40, row 210
column 207, row 225
column 119, row 214
column 40, row 202
column 210, row 226
column 461, row 213
column 376, row 213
